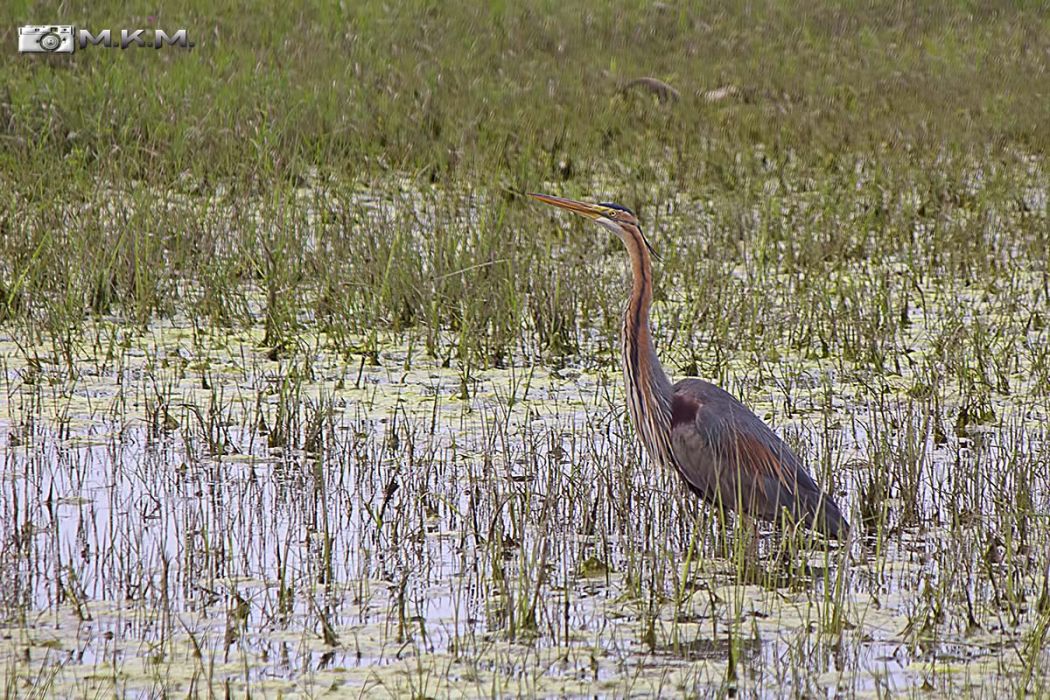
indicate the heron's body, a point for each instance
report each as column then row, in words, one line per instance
column 723, row 451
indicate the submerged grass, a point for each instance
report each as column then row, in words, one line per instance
column 298, row 396
column 217, row 519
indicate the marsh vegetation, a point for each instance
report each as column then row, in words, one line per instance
column 298, row 397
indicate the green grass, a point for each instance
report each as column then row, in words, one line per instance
column 362, row 88
column 867, row 123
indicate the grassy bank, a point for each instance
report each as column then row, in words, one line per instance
column 867, row 133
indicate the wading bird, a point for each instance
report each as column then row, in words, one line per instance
column 723, row 451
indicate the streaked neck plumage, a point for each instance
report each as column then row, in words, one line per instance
column 648, row 388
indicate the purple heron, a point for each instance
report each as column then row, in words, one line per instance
column 723, row 451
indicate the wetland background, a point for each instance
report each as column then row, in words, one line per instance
column 300, row 398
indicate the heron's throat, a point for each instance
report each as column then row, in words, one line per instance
column 648, row 388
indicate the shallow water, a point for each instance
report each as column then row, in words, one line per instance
column 182, row 513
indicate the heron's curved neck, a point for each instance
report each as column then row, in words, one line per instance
column 649, row 388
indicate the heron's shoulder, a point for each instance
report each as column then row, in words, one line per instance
column 697, row 401
column 697, row 390
column 694, row 399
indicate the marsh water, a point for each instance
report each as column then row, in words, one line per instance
column 277, row 506
column 187, row 511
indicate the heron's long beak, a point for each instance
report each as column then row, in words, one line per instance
column 591, row 211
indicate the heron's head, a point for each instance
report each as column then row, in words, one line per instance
column 615, row 217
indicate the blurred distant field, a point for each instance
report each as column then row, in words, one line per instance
column 880, row 114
